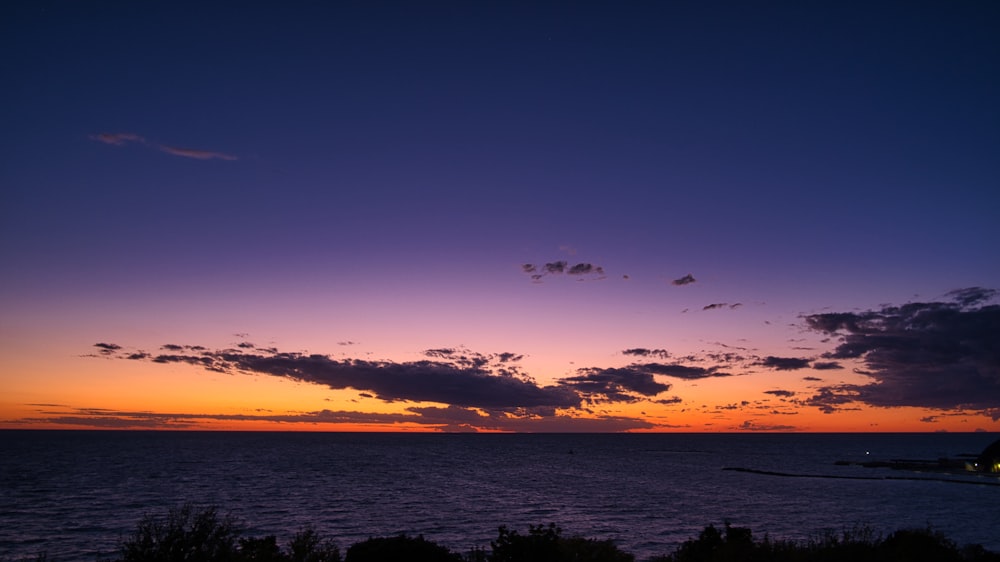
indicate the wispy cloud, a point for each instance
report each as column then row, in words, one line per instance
column 118, row 139
column 721, row 305
column 196, row 154
column 751, row 425
column 446, row 418
column 121, row 139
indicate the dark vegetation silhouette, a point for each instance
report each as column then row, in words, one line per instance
column 401, row 547
column 190, row 534
column 861, row 544
column 546, row 544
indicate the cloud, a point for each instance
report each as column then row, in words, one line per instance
column 686, row 280
column 454, row 418
column 644, row 352
column 537, row 272
column 751, row 425
column 628, row 384
column 107, row 348
column 196, row 154
column 826, row 366
column 118, row 139
column 585, row 269
column 972, row 296
column 941, row 355
column 123, row 419
column 784, row 363
column 681, row 371
column 455, row 377
column 448, row 418
column 780, row 393
column 476, row 390
column 556, row 267
column 718, row 305
column 121, row 139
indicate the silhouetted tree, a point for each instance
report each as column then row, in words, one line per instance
column 185, row 535
column 545, row 544
column 399, row 549
column 307, row 546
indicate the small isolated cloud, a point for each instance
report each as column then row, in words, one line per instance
column 118, row 139
column 107, row 348
column 196, row 154
column 942, row 355
column 645, row 352
column 780, row 393
column 559, row 267
column 784, row 363
column 720, row 305
column 686, row 280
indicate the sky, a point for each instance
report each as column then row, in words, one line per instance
column 500, row 216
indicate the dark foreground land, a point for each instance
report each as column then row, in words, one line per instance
column 187, row 534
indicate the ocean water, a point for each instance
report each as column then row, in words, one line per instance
column 75, row 494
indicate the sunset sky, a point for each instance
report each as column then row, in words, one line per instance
column 513, row 216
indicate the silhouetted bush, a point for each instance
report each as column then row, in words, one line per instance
column 736, row 544
column 190, row 535
column 919, row 545
column 184, row 536
column 545, row 544
column 399, row 549
column 307, row 546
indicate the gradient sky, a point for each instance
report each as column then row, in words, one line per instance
column 514, row 216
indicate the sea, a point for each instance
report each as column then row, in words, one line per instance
column 74, row 495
